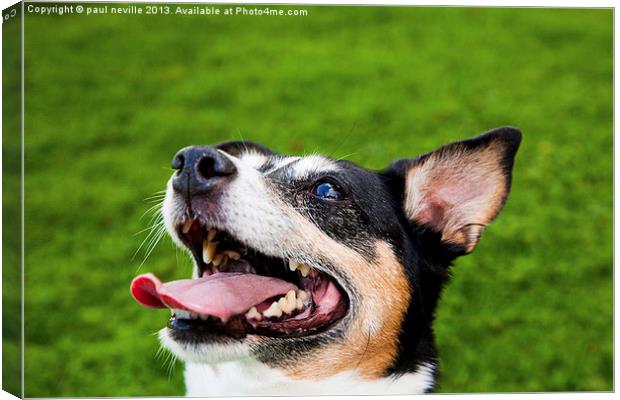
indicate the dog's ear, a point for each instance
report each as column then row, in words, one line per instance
column 458, row 189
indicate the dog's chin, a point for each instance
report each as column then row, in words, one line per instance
column 204, row 352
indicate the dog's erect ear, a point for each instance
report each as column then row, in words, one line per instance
column 459, row 188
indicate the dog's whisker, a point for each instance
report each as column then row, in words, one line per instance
column 154, row 230
column 345, row 156
column 154, row 225
column 156, row 217
column 153, row 209
column 160, row 352
column 143, row 230
column 160, row 195
column 245, row 147
column 153, row 244
column 158, row 200
column 156, row 236
column 156, row 196
column 343, row 142
column 170, row 363
column 365, row 350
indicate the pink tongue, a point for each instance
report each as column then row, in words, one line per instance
column 222, row 294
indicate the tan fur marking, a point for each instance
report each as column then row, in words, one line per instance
column 450, row 172
column 371, row 341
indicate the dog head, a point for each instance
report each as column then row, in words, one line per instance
column 315, row 266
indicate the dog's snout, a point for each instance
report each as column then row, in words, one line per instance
column 199, row 168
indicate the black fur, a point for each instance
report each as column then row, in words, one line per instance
column 236, row 147
column 428, row 259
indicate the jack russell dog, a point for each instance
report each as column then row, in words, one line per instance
column 314, row 275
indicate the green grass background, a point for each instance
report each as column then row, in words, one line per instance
column 109, row 99
column 11, row 204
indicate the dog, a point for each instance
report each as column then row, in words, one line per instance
column 314, row 275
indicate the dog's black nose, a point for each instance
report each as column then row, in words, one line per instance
column 199, row 168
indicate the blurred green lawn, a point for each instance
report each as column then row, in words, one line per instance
column 109, row 99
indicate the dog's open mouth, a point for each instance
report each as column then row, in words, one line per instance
column 242, row 291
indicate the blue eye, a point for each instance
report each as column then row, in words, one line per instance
column 327, row 190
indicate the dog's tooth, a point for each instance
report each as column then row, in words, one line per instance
column 253, row 314
column 204, row 317
column 208, row 251
column 205, row 252
column 211, row 234
column 273, row 310
column 285, row 306
column 304, row 269
column 303, row 295
column 303, row 298
column 187, row 225
column 288, row 303
column 291, row 300
column 293, row 265
column 232, row 254
column 217, row 260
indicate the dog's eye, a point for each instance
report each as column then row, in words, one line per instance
column 328, row 190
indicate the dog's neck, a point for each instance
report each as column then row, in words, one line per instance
column 251, row 378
